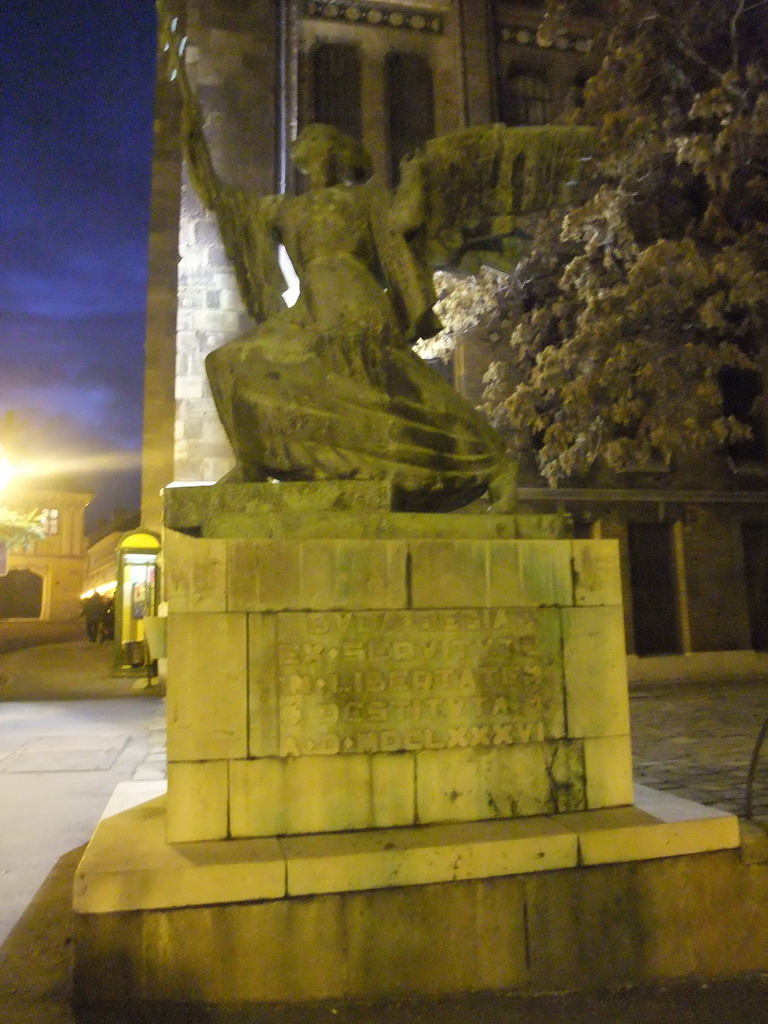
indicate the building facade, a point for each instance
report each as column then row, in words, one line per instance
column 45, row 581
column 694, row 539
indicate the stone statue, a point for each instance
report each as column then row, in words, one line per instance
column 331, row 388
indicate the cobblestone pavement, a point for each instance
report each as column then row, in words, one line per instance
column 696, row 740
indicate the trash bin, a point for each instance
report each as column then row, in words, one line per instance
column 154, row 633
column 134, row 653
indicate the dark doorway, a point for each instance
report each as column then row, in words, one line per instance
column 740, row 390
column 755, row 538
column 654, row 588
column 411, row 107
column 336, row 87
column 21, row 595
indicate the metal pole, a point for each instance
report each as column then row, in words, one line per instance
column 753, row 769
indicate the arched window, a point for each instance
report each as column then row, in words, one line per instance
column 527, row 99
column 336, row 87
column 411, row 106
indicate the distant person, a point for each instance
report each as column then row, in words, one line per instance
column 93, row 609
column 107, row 622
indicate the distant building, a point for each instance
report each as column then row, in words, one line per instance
column 694, row 538
column 45, row 580
column 102, row 554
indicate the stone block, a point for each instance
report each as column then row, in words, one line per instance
column 263, row 700
column 469, row 935
column 191, row 507
column 393, row 789
column 132, row 867
column 264, row 575
column 716, row 923
column 207, row 692
column 473, row 784
column 198, row 801
column 222, row 520
column 108, row 951
column 597, row 572
column 195, row 573
column 449, row 574
column 657, row 825
column 256, row 797
column 530, row 573
column 490, row 573
column 353, row 574
column 437, row 853
column 585, row 927
column 595, row 665
column 275, row 575
column 289, row 796
column 608, row 771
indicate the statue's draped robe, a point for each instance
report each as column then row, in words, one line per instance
column 331, row 388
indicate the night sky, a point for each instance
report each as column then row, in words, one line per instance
column 76, row 92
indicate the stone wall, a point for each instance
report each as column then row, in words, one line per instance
column 160, row 341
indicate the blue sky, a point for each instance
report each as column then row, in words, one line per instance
column 76, row 96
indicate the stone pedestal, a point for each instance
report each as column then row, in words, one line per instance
column 379, row 725
column 323, row 684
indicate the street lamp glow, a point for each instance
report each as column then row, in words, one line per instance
column 6, row 473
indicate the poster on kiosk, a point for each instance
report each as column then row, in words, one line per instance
column 137, row 596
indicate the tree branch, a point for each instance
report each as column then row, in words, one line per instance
column 738, row 15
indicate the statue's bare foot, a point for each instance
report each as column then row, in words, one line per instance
column 503, row 489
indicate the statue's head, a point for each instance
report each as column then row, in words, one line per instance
column 331, row 158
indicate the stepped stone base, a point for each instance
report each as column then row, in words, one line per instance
column 398, row 762
column 558, row 901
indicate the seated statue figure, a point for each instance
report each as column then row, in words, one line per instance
column 331, row 387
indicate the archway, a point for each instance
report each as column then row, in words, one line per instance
column 21, row 595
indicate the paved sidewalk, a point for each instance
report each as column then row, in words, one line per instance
column 693, row 740
column 60, row 760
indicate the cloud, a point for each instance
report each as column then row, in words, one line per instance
column 74, row 386
column 90, row 368
column 54, row 450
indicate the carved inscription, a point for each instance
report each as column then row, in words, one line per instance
column 370, row 682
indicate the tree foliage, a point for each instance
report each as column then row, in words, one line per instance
column 640, row 297
column 465, row 302
column 19, row 529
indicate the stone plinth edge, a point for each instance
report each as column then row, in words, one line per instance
column 129, row 866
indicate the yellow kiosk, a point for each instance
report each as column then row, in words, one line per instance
column 136, row 596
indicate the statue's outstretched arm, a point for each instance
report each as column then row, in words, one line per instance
column 244, row 220
column 206, row 181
